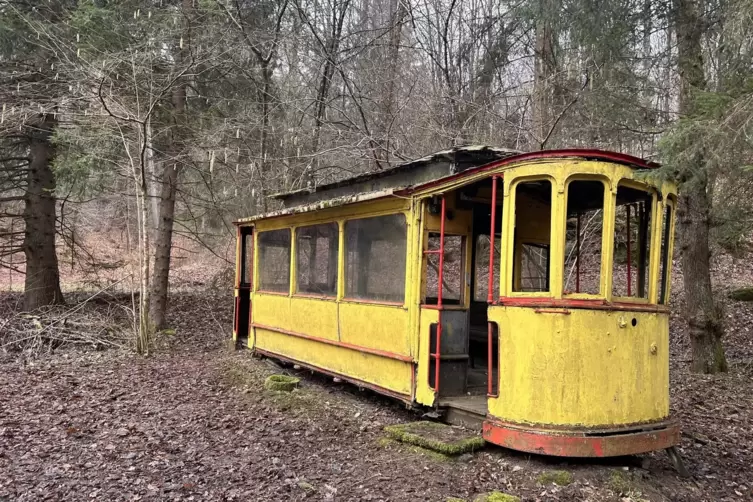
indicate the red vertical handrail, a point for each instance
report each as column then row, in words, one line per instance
column 438, row 348
column 629, row 257
column 490, row 297
column 441, row 254
column 577, row 254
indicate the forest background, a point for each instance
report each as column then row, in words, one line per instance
column 153, row 125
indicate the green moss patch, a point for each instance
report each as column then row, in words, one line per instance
column 455, row 499
column 282, row 383
column 437, row 437
column 620, row 483
column 559, row 478
column 306, row 487
column 388, row 442
column 496, row 496
column 742, row 294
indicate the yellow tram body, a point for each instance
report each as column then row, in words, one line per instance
column 570, row 372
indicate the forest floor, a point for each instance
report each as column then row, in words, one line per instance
column 193, row 422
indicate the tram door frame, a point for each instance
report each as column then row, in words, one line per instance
column 243, row 307
column 436, row 354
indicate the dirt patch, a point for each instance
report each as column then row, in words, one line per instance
column 195, row 421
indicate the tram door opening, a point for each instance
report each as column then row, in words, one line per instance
column 461, row 264
column 245, row 278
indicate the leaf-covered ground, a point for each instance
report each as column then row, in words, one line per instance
column 193, row 422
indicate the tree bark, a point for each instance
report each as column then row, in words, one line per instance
column 163, row 241
column 42, row 285
column 163, row 244
column 330, row 52
column 398, row 14
column 702, row 313
column 544, row 72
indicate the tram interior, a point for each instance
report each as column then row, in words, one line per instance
column 464, row 366
column 465, row 350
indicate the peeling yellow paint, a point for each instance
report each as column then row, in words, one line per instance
column 575, row 370
column 566, row 367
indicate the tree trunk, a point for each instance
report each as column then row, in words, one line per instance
column 163, row 241
column 544, row 72
column 42, row 275
column 151, row 167
column 330, row 52
column 702, row 313
column 398, row 13
column 163, row 244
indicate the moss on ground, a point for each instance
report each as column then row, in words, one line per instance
column 306, row 487
column 455, row 499
column 620, row 483
column 250, row 379
column 742, row 294
column 388, row 442
column 283, row 383
column 434, row 436
column 559, row 478
column 496, row 496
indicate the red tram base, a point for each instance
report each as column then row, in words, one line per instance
column 583, row 442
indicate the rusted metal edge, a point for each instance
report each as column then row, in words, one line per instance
column 562, row 311
column 406, row 398
column 323, row 204
column 442, row 155
column 562, row 443
column 601, row 155
column 587, row 154
column 337, row 343
column 595, row 304
column 595, row 430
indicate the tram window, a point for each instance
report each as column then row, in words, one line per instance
column 454, row 270
column 481, row 265
column 375, row 250
column 666, row 260
column 534, row 267
column 533, row 216
column 274, row 260
column 247, row 258
column 316, row 259
column 583, row 237
column 632, row 243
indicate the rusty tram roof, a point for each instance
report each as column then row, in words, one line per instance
column 428, row 171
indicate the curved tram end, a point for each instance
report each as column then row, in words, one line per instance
column 585, row 443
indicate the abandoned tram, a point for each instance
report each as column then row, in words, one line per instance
column 526, row 293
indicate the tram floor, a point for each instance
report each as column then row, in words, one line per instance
column 469, row 409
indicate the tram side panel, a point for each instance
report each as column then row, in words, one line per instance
column 367, row 344
column 581, row 368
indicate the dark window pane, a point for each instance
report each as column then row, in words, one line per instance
column 666, row 260
column 316, row 259
column 247, row 259
column 632, row 243
column 534, row 268
column 274, row 261
column 583, row 237
column 454, row 270
column 375, row 251
column 481, row 272
column 533, row 217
